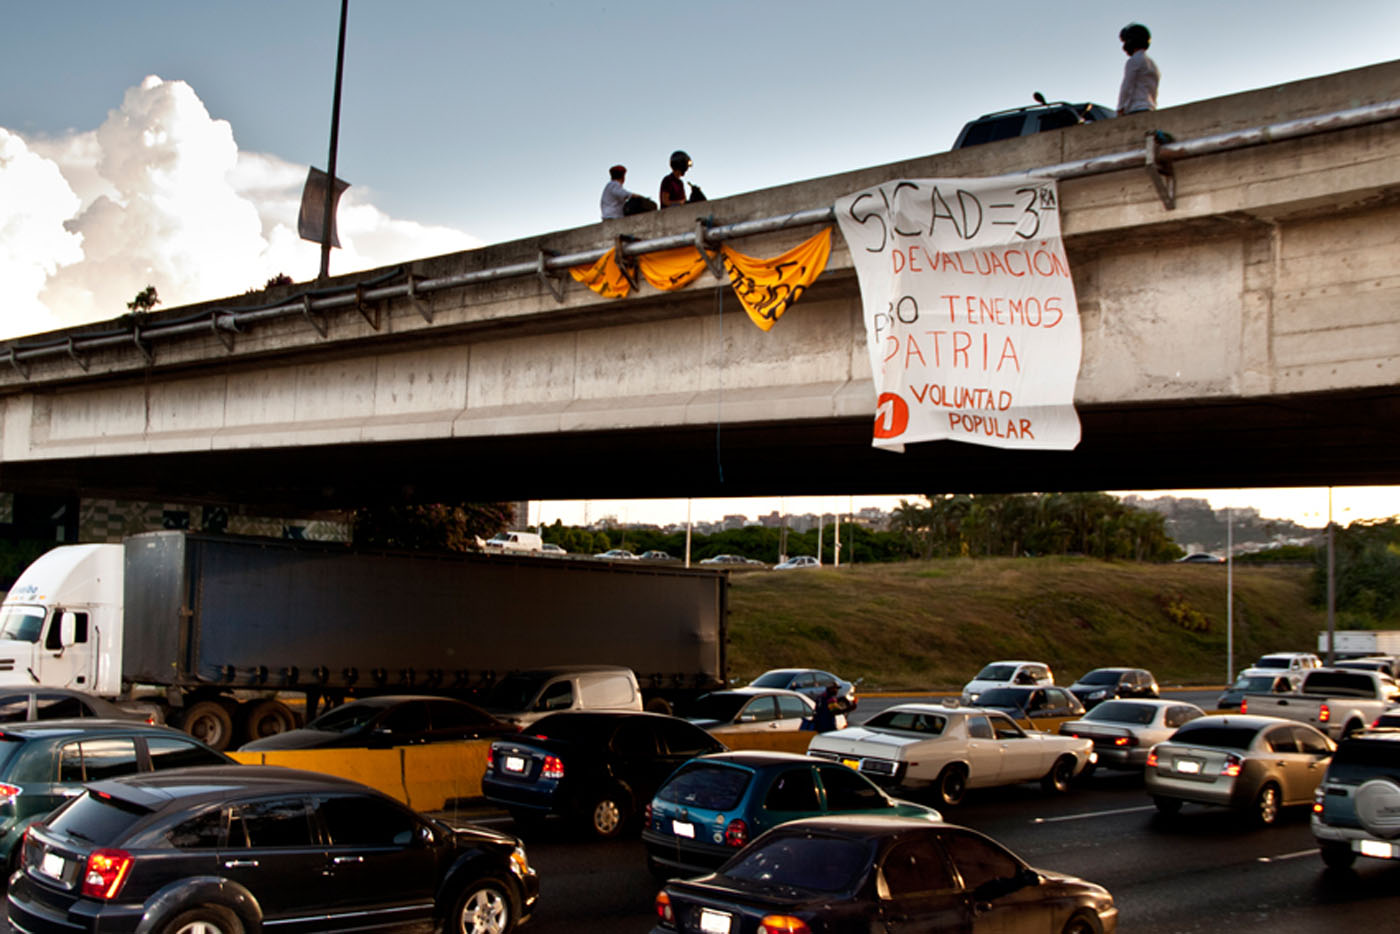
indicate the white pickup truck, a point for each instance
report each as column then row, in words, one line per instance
column 1337, row 701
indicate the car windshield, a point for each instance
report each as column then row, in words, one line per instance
column 1122, row 712
column 1004, row 697
column 1255, row 684
column 816, row 864
column 1357, row 760
column 911, row 721
column 514, row 692
column 772, row 679
column 1214, row 734
column 1101, row 676
column 346, row 719
column 706, row 785
column 996, row 673
column 721, row 707
column 21, row 624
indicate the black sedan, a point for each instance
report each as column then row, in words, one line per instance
column 390, row 720
column 1031, row 703
column 596, row 769
column 859, row 874
column 222, row 850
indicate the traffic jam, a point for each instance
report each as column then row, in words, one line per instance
column 857, row 834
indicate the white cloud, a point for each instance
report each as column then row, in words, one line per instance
column 159, row 194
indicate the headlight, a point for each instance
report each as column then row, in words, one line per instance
column 519, row 862
column 1094, row 694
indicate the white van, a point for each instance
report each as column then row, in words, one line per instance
column 516, row 543
column 522, row 697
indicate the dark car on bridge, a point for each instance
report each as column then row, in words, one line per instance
column 859, row 874
column 230, row 849
column 390, row 720
column 1026, row 121
column 45, row 763
column 596, row 769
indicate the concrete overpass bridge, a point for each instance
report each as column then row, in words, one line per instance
column 1246, row 335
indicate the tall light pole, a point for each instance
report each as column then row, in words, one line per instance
column 1229, row 595
column 1331, row 583
column 335, row 139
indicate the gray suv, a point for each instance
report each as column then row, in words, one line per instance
column 1356, row 809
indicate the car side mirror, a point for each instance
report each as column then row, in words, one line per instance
column 425, row 836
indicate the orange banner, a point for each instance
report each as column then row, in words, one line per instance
column 768, row 287
column 604, row 277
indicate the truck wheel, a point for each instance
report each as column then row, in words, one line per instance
column 266, row 718
column 1167, row 807
column 1337, row 855
column 484, row 907
column 607, row 813
column 209, row 722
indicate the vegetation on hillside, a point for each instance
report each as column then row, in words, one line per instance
column 1367, row 575
column 933, row 624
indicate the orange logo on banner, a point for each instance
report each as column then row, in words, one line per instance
column 891, row 415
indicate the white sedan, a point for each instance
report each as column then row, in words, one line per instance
column 1124, row 730
column 950, row 749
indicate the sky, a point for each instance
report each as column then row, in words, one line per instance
column 166, row 142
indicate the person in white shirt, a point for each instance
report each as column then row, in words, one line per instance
column 1141, row 75
column 614, row 195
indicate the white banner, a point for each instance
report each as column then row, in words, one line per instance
column 970, row 315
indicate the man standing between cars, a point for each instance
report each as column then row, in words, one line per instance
column 1141, row 75
column 672, row 188
column 614, row 195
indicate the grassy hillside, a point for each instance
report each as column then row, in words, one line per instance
column 933, row 624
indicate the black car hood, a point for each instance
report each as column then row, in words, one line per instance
column 469, row 834
column 299, row 739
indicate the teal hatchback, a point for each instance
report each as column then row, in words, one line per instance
column 713, row 805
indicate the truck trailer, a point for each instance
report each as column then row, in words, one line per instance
column 218, row 630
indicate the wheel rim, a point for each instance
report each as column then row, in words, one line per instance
column 1063, row 773
column 199, row 927
column 209, row 731
column 953, row 787
column 1268, row 805
column 606, row 816
column 485, row 912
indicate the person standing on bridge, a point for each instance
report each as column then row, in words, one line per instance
column 1141, row 75
column 614, row 195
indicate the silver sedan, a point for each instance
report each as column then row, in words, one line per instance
column 1252, row 764
column 1124, row 730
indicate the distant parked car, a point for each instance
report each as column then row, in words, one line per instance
column 1103, row 684
column 1293, row 661
column 1259, row 681
column 1035, row 703
column 597, row 770
column 1025, row 121
column 1255, row 765
column 657, row 556
column 1385, row 664
column 1124, row 730
column 727, row 559
column 251, row 848
column 858, row 873
column 551, row 550
column 948, row 749
column 1006, row 674
column 390, row 720
column 798, row 561
column 1201, row 557
column 1356, row 809
column 748, row 710
column 812, row 682
column 616, row 554
column 18, row 704
column 714, row 805
column 46, row 763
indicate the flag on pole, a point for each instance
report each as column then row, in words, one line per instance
column 311, row 222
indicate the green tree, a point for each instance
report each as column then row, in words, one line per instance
column 429, row 527
column 145, row 300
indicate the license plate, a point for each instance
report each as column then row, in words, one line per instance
column 851, row 764
column 1188, row 766
column 1375, row 848
column 682, row 829
column 715, row 922
column 52, row 865
column 515, row 764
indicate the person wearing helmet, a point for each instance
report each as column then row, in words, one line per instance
column 614, row 195
column 672, row 188
column 1140, row 76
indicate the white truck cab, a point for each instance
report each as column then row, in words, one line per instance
column 514, row 543
column 61, row 623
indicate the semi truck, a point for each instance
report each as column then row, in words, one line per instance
column 221, row 631
column 1350, row 643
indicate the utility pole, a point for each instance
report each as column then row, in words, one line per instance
column 335, row 139
column 1331, row 583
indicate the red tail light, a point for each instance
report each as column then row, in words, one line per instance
column 1232, row 765
column 8, row 793
column 646, row 814
column 663, row 909
column 490, row 757
column 1152, row 759
column 1244, row 706
column 553, row 768
column 783, row 924
column 1125, row 741
column 1323, row 714
column 736, row 834
column 106, row 872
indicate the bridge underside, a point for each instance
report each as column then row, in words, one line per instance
column 1337, row 438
